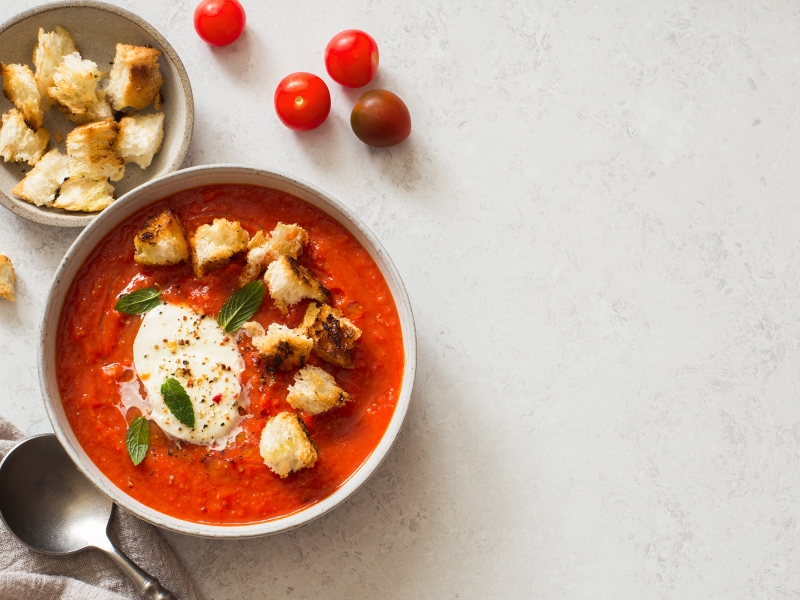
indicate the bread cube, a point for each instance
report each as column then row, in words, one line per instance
column 315, row 391
column 287, row 240
column 75, row 83
column 281, row 348
column 256, row 253
column 19, row 86
column 284, row 239
column 84, row 195
column 254, row 329
column 214, row 245
column 285, row 445
column 135, row 79
column 53, row 46
column 91, row 151
column 161, row 240
column 99, row 111
column 334, row 334
column 8, row 280
column 289, row 282
column 140, row 137
column 18, row 142
column 41, row 184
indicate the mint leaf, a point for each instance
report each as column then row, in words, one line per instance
column 241, row 306
column 177, row 401
column 138, row 302
column 138, row 439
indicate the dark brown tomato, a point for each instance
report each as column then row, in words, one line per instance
column 380, row 119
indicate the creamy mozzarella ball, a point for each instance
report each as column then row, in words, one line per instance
column 176, row 342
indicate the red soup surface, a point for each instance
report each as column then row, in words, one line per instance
column 230, row 486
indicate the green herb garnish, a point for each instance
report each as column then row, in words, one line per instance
column 177, row 401
column 138, row 439
column 138, row 302
column 241, row 307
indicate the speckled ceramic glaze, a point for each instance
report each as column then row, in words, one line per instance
column 131, row 203
column 97, row 28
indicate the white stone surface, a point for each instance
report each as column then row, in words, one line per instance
column 597, row 217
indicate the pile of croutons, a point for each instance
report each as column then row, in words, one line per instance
column 100, row 147
column 285, row 443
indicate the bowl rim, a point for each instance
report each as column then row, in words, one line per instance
column 23, row 209
column 145, row 195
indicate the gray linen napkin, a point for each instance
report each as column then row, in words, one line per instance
column 89, row 575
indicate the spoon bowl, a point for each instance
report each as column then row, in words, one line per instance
column 49, row 506
column 46, row 502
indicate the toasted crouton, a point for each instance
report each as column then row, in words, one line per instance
column 213, row 245
column 18, row 142
column 161, row 240
column 75, row 83
column 254, row 329
column 287, row 240
column 99, row 111
column 289, row 282
column 284, row 239
column 19, row 86
column 334, row 334
column 280, row 348
column 8, row 280
column 315, row 391
column 285, row 445
column 135, row 79
column 140, row 137
column 91, row 151
column 53, row 46
column 41, row 184
column 84, row 195
column 256, row 253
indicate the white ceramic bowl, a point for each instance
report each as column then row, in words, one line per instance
column 97, row 27
column 131, row 203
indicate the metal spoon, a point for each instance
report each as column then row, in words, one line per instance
column 52, row 508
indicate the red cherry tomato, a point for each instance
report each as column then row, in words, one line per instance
column 351, row 58
column 302, row 101
column 380, row 119
column 219, row 22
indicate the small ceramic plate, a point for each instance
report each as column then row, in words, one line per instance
column 96, row 28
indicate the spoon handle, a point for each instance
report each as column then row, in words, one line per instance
column 153, row 590
column 149, row 586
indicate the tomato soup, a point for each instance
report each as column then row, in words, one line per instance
column 230, row 485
